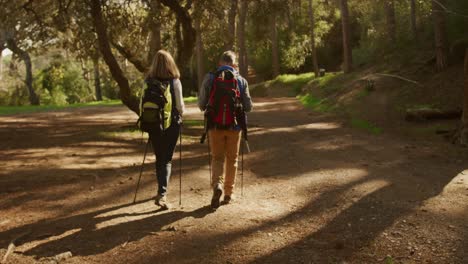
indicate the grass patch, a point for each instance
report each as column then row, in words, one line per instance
column 10, row 110
column 293, row 83
column 314, row 103
column 363, row 93
column 366, row 125
column 296, row 82
column 123, row 132
column 191, row 99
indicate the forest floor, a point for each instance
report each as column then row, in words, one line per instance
column 315, row 191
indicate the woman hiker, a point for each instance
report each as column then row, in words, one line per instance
column 163, row 69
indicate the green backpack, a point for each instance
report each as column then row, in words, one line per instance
column 155, row 107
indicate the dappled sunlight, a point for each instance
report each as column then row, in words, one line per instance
column 126, row 215
column 456, row 188
column 305, row 127
column 46, row 238
column 459, row 182
column 70, row 158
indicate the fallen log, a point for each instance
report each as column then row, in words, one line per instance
column 12, row 245
column 431, row 114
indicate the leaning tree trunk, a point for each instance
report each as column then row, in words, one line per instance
column 440, row 34
column 347, row 54
column 11, row 44
column 274, row 46
column 413, row 9
column 312, row 39
column 464, row 128
column 243, row 65
column 100, row 27
column 97, row 79
column 155, row 29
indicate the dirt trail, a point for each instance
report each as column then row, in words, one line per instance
column 314, row 192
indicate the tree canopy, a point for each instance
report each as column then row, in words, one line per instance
column 272, row 37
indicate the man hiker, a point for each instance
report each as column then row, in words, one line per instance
column 224, row 96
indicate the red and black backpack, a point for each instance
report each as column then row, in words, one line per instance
column 225, row 100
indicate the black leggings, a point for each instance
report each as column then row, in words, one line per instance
column 163, row 146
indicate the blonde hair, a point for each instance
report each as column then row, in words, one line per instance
column 163, row 67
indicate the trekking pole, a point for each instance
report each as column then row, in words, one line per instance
column 209, row 160
column 242, row 169
column 180, row 165
column 141, row 169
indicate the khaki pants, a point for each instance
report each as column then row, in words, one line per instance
column 224, row 145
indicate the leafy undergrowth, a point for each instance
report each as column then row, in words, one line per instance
column 11, row 110
column 375, row 99
column 288, row 85
column 366, row 125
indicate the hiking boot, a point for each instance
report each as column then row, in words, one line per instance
column 227, row 199
column 217, row 192
column 162, row 202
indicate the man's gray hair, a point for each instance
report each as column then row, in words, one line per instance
column 229, row 57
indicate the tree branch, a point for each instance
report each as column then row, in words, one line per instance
column 101, row 30
column 187, row 29
column 139, row 64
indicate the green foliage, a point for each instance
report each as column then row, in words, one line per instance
column 331, row 82
column 132, row 132
column 294, row 56
column 296, row 82
column 10, row 110
column 314, row 103
column 61, row 84
column 366, row 125
column 389, row 260
column 191, row 99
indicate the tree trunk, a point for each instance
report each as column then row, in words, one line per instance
column 312, row 39
column 274, row 46
column 97, row 79
column 299, row 7
column 431, row 114
column 414, row 29
column 11, row 44
column 347, row 53
column 178, row 41
column 1, row 64
column 199, row 48
column 391, row 20
column 440, row 34
column 231, row 39
column 126, row 96
column 155, row 29
column 464, row 129
column 243, row 64
column 188, row 33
